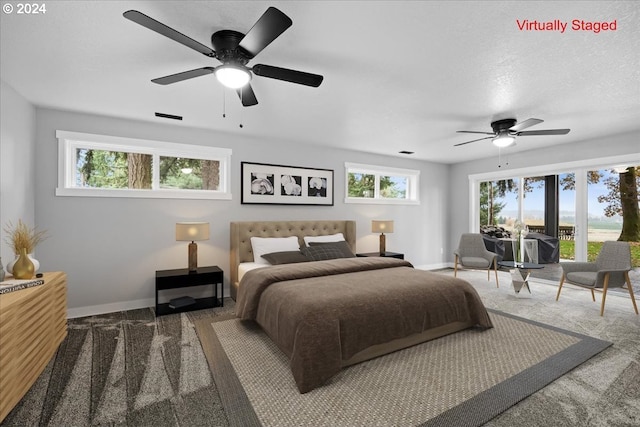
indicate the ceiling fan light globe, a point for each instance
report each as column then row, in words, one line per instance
column 232, row 76
column 503, row 141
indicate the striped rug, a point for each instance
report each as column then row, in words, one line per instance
column 126, row 369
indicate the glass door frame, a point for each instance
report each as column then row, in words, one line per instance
column 579, row 168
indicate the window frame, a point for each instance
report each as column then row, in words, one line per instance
column 70, row 142
column 412, row 195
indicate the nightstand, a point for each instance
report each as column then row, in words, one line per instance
column 183, row 278
column 385, row 254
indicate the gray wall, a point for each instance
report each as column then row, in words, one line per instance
column 110, row 248
column 17, row 163
column 615, row 145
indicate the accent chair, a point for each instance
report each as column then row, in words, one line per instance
column 473, row 254
column 610, row 270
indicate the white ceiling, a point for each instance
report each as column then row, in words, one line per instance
column 398, row 75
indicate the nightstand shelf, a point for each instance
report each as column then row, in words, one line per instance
column 183, row 278
column 200, row 303
column 386, row 254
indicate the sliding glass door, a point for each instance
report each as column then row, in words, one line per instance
column 498, row 203
column 533, row 208
column 594, row 204
column 567, row 215
column 600, row 227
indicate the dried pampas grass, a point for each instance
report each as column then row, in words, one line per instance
column 21, row 236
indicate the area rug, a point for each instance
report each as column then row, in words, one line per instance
column 464, row 379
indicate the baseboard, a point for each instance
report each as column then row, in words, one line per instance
column 93, row 310
column 438, row 266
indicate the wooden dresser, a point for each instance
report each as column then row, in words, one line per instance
column 33, row 323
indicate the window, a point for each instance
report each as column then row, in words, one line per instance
column 379, row 184
column 106, row 166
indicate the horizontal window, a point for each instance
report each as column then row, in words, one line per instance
column 379, row 184
column 106, row 166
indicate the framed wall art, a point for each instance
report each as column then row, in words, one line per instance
column 285, row 185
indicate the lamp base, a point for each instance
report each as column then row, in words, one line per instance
column 383, row 244
column 193, row 256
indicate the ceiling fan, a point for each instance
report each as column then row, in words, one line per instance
column 505, row 131
column 234, row 50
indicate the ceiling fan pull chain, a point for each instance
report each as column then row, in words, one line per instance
column 224, row 103
column 500, row 158
column 241, row 98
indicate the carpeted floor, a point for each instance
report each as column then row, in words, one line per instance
column 130, row 369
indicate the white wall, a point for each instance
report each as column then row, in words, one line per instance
column 17, row 163
column 110, row 248
column 459, row 209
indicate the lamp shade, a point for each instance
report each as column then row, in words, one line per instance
column 192, row 231
column 385, row 226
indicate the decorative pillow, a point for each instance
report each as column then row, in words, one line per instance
column 286, row 257
column 342, row 246
column 322, row 252
column 267, row 245
column 330, row 238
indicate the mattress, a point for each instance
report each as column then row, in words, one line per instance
column 248, row 266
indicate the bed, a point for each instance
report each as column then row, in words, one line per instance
column 326, row 315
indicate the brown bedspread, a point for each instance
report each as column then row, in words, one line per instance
column 323, row 313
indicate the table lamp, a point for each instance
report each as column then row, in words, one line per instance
column 382, row 227
column 192, row 231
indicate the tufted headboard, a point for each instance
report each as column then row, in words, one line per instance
column 242, row 232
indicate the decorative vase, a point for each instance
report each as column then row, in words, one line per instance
column 10, row 265
column 36, row 263
column 521, row 250
column 23, row 268
column 1, row 271
column 518, row 250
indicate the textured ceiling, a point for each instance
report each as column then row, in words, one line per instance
column 398, row 75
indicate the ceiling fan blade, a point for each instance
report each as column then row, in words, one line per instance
column 544, row 132
column 526, row 124
column 469, row 142
column 288, row 75
column 160, row 28
column 270, row 25
column 247, row 96
column 473, row 131
column 185, row 75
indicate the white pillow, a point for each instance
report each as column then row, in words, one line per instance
column 267, row 245
column 338, row 237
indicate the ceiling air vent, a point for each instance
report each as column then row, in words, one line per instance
column 168, row 116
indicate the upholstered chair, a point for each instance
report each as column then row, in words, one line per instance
column 473, row 254
column 610, row 270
